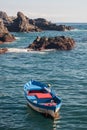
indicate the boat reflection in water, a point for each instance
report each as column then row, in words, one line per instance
column 56, row 122
column 40, row 121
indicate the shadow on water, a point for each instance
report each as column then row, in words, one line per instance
column 39, row 121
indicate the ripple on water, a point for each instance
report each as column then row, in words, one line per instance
column 64, row 70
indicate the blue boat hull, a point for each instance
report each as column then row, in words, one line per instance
column 49, row 104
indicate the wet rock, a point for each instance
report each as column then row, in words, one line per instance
column 5, row 36
column 58, row 43
column 3, row 50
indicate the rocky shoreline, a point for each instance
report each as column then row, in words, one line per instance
column 22, row 23
column 45, row 43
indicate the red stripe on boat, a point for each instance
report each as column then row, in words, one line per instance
column 41, row 95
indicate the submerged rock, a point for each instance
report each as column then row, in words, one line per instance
column 58, row 43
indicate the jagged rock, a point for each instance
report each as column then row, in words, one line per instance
column 3, row 29
column 58, row 43
column 5, row 17
column 31, row 21
column 5, row 36
column 46, row 25
column 3, row 50
column 21, row 24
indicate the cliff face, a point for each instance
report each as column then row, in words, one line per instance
column 58, row 43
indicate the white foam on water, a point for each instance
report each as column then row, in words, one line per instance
column 17, row 38
column 20, row 50
column 78, row 30
column 74, row 30
column 17, row 50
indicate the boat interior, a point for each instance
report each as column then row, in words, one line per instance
column 42, row 97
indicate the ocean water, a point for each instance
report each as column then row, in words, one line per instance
column 66, row 71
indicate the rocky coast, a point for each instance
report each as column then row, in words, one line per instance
column 22, row 23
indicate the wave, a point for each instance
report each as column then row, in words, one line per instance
column 17, row 38
column 17, row 50
column 79, row 30
column 75, row 29
column 26, row 50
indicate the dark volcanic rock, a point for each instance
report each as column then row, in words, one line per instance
column 5, row 36
column 46, row 25
column 21, row 24
column 58, row 43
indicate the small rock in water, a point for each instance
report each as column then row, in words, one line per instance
column 3, row 50
column 58, row 43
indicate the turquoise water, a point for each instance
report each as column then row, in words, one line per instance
column 66, row 71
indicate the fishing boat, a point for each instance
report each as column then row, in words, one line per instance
column 42, row 98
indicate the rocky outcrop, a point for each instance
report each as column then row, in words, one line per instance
column 21, row 24
column 3, row 29
column 3, row 50
column 58, row 43
column 6, row 19
column 5, row 36
column 46, row 25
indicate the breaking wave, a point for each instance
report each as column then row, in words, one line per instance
column 17, row 50
column 79, row 30
column 20, row 50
